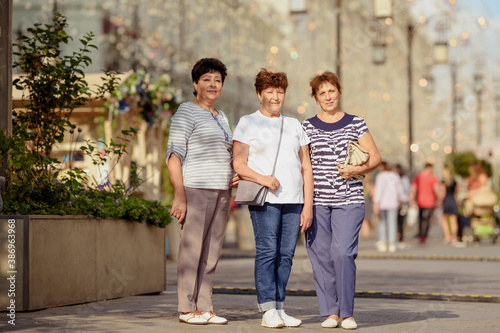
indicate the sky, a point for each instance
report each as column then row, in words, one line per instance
column 492, row 6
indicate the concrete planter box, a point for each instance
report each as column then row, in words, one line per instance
column 63, row 260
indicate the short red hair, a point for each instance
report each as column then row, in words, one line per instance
column 319, row 79
column 266, row 79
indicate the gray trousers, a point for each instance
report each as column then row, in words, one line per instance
column 332, row 245
column 202, row 235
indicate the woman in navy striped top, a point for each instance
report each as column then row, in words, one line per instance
column 332, row 240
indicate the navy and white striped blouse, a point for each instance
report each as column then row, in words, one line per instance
column 329, row 146
column 204, row 144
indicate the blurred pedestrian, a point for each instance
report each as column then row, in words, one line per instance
column 388, row 194
column 288, row 206
column 403, row 206
column 424, row 188
column 332, row 240
column 367, row 228
column 477, row 187
column 449, row 219
column 477, row 178
column 200, row 139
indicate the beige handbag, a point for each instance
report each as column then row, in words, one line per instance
column 356, row 155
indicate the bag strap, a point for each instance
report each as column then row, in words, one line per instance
column 279, row 144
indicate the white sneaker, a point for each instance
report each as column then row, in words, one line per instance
column 381, row 246
column 193, row 318
column 212, row 318
column 289, row 321
column 330, row 323
column 349, row 324
column 392, row 248
column 401, row 246
column 272, row 319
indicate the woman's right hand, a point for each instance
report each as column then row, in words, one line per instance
column 272, row 183
column 179, row 208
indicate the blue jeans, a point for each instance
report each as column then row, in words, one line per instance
column 276, row 228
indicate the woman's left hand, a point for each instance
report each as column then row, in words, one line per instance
column 306, row 218
column 233, row 183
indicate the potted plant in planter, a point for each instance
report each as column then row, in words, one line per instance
column 70, row 239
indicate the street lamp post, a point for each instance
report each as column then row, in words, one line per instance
column 383, row 9
column 411, row 30
column 6, row 65
column 478, row 88
column 339, row 36
column 497, row 120
column 453, row 67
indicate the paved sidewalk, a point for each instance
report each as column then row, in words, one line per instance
column 467, row 271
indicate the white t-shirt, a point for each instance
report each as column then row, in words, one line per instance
column 262, row 134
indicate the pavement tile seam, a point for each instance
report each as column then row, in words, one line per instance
column 395, row 256
column 373, row 294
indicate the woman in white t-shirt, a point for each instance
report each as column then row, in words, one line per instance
column 288, row 206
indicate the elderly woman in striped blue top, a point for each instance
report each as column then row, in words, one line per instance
column 199, row 156
column 339, row 209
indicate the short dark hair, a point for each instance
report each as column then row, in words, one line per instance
column 326, row 76
column 207, row 65
column 267, row 79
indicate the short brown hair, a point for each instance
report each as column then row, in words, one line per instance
column 384, row 166
column 266, row 79
column 326, row 76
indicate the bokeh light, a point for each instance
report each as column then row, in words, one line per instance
column 423, row 82
column 482, row 22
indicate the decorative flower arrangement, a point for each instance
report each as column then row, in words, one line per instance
column 154, row 99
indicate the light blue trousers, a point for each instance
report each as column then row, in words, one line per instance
column 388, row 224
column 332, row 245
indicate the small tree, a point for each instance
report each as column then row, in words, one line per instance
column 462, row 161
column 54, row 85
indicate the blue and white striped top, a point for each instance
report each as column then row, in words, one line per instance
column 329, row 146
column 204, row 144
